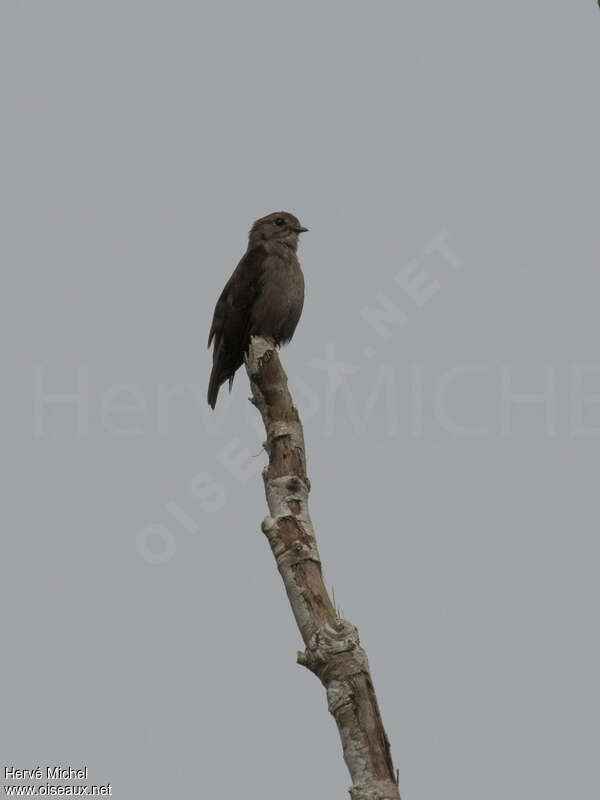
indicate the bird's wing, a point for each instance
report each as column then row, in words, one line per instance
column 231, row 317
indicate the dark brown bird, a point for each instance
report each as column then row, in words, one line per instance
column 263, row 297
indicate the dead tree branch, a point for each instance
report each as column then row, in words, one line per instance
column 333, row 650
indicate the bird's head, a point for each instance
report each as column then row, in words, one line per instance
column 279, row 226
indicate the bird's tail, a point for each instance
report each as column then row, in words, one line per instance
column 214, row 385
column 218, row 376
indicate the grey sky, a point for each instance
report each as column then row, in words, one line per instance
column 445, row 159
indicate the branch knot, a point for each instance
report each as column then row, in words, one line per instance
column 334, row 652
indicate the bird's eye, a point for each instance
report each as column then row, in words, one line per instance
column 279, row 221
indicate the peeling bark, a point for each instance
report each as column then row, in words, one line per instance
column 332, row 646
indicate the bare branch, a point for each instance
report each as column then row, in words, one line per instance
column 332, row 646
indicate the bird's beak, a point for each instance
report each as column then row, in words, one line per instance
column 300, row 230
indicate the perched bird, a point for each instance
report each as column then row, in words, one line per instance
column 263, row 297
